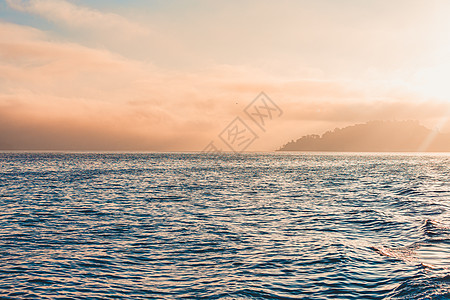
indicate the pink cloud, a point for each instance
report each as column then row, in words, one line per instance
column 56, row 95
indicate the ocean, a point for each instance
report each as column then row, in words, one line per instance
column 224, row 226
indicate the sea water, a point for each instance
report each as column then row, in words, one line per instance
column 224, row 226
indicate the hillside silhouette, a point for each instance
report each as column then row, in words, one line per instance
column 375, row 136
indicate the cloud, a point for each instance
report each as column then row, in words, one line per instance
column 99, row 29
column 64, row 126
column 59, row 95
column 78, row 17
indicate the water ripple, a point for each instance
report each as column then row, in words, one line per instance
column 250, row 226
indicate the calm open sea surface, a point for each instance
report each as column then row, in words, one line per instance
column 249, row 226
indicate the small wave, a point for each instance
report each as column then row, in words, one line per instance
column 434, row 287
column 435, row 230
column 406, row 254
column 432, row 254
column 435, row 224
column 408, row 192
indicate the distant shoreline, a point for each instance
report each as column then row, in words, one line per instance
column 374, row 136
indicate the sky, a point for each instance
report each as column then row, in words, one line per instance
column 174, row 75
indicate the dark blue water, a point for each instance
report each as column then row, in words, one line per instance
column 250, row 226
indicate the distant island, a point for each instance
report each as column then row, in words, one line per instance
column 375, row 136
